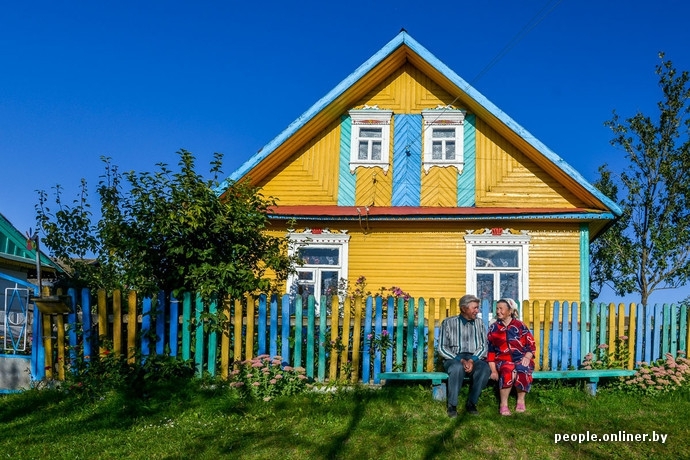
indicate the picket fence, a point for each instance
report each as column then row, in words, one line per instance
column 333, row 341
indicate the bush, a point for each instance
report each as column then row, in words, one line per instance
column 96, row 375
column 661, row 376
column 266, row 378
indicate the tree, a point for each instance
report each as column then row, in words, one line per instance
column 648, row 248
column 167, row 231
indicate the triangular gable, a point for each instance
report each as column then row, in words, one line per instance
column 333, row 104
column 13, row 247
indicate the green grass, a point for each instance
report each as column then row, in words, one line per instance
column 189, row 420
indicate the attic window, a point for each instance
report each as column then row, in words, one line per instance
column 370, row 142
column 443, row 138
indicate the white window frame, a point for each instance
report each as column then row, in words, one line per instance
column 370, row 117
column 443, row 118
column 320, row 238
column 498, row 238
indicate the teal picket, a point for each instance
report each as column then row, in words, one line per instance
column 390, row 321
column 410, row 333
column 683, row 326
column 199, row 335
column 366, row 355
column 574, row 338
column 212, row 342
column 186, row 326
column 323, row 316
column 674, row 330
column 310, row 336
column 174, row 325
column 378, row 319
column 285, row 330
column 420, row 336
column 298, row 331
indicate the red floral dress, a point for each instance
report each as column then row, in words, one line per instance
column 507, row 346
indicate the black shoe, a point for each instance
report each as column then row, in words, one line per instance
column 452, row 411
column 471, row 408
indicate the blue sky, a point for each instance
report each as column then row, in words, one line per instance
column 137, row 81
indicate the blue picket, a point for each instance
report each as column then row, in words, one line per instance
column 390, row 321
column 285, row 331
column 378, row 318
column 298, row 331
column 261, row 330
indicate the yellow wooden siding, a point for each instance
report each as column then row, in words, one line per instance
column 373, row 187
column 310, row 176
column 507, row 178
column 439, row 187
column 428, row 259
column 407, row 90
column 554, row 262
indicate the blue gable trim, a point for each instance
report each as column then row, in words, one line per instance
column 407, row 160
column 346, row 179
column 467, row 180
column 396, row 42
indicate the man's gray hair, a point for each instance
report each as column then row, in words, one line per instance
column 468, row 299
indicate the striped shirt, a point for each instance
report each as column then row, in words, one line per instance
column 459, row 335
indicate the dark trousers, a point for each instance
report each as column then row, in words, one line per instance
column 456, row 375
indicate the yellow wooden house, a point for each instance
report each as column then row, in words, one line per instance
column 408, row 176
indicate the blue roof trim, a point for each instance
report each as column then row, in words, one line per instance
column 400, row 39
column 583, row 216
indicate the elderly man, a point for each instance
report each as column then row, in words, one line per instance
column 463, row 346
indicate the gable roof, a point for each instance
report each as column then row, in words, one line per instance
column 13, row 249
column 401, row 49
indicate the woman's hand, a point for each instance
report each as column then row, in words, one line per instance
column 494, row 375
column 526, row 360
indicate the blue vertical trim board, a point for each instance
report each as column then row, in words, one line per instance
column 486, row 310
column 407, row 160
column 584, row 262
column 420, row 336
column 311, row 313
column 160, row 323
column 173, row 330
column 467, row 180
column 299, row 315
column 261, row 332
column 410, row 333
column 322, row 338
column 555, row 336
column 199, row 335
column 639, row 333
column 366, row 355
column 575, row 337
column 390, row 321
column 273, row 332
column 213, row 341
column 145, row 327
column 378, row 318
column 186, row 326
column 346, row 179
column 72, row 331
column 285, row 331
column 565, row 335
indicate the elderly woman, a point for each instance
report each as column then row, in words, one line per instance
column 511, row 355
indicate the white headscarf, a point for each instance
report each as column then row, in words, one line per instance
column 514, row 313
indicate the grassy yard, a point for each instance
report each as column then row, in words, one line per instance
column 187, row 420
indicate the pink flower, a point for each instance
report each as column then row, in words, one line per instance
column 623, row 337
column 256, row 384
column 273, row 381
column 603, row 346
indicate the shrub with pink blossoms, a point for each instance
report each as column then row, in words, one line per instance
column 659, row 377
column 265, row 378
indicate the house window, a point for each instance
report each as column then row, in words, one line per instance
column 370, row 142
column 498, row 264
column 324, row 255
column 443, row 138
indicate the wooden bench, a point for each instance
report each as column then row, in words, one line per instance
column 593, row 375
column 438, row 387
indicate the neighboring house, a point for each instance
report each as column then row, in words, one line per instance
column 17, row 281
column 406, row 175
